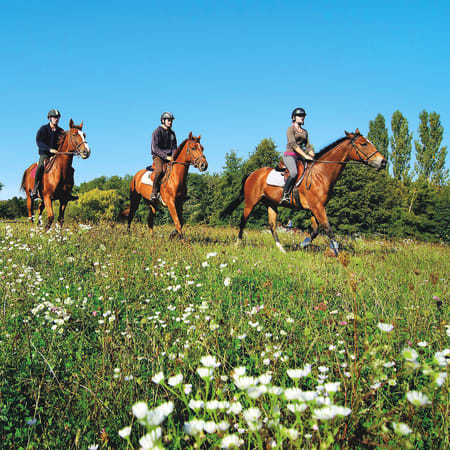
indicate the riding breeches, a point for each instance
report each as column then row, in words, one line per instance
column 291, row 164
column 40, row 169
column 159, row 172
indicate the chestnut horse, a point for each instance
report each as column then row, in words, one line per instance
column 58, row 182
column 173, row 186
column 314, row 191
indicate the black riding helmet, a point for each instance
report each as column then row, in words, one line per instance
column 53, row 113
column 167, row 115
column 298, row 112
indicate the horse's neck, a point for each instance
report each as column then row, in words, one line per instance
column 180, row 167
column 63, row 162
column 338, row 154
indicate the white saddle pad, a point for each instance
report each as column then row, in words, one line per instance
column 275, row 178
column 146, row 178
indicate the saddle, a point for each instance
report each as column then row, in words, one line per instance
column 49, row 164
column 301, row 171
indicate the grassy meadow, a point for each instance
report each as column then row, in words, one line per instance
column 110, row 340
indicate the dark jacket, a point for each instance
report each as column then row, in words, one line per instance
column 164, row 142
column 46, row 138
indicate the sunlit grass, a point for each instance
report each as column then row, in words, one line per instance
column 305, row 350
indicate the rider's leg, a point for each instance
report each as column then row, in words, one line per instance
column 158, row 163
column 291, row 165
column 38, row 176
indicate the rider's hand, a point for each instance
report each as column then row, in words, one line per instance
column 310, row 157
column 169, row 158
column 52, row 150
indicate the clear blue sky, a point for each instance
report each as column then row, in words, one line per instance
column 231, row 71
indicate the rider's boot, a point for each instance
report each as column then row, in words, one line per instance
column 287, row 191
column 34, row 194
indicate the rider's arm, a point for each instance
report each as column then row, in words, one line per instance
column 42, row 139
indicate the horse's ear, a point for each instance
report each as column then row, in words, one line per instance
column 347, row 133
column 81, row 125
column 357, row 131
column 71, row 123
column 190, row 135
column 199, row 137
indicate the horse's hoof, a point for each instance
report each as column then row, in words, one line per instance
column 281, row 247
column 306, row 242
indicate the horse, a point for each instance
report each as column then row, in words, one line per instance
column 173, row 185
column 58, row 181
column 314, row 190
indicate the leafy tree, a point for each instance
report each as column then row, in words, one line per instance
column 13, row 208
column 378, row 135
column 1, row 185
column 265, row 155
column 201, row 191
column 429, row 155
column 96, row 205
column 400, row 146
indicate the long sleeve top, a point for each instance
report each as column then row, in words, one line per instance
column 164, row 142
column 297, row 138
column 46, row 138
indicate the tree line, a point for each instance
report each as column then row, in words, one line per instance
column 403, row 201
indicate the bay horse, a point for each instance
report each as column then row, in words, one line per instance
column 313, row 192
column 173, row 185
column 58, row 182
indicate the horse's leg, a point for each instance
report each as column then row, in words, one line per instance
column 176, row 220
column 151, row 217
column 179, row 207
column 273, row 214
column 321, row 217
column 135, row 198
column 30, row 204
column 248, row 208
column 315, row 226
column 40, row 211
column 62, row 210
column 50, row 215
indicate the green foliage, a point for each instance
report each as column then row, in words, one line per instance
column 400, row 146
column 96, row 205
column 429, row 155
column 378, row 135
column 265, row 155
column 13, row 208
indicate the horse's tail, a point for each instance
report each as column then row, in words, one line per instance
column 24, row 177
column 236, row 202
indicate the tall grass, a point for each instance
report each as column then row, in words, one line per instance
column 110, row 340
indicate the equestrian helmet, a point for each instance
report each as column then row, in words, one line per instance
column 298, row 112
column 167, row 115
column 53, row 113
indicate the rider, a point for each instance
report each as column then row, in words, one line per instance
column 298, row 147
column 47, row 139
column 164, row 143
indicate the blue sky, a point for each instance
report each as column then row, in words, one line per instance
column 231, row 71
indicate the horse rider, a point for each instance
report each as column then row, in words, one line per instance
column 298, row 147
column 47, row 139
column 164, row 144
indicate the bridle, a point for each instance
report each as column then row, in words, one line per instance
column 362, row 159
column 76, row 146
column 188, row 151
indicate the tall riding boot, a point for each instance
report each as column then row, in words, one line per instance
column 287, row 190
column 156, row 186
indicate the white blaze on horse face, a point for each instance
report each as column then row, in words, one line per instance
column 84, row 141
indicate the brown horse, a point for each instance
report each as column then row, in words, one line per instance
column 173, row 186
column 58, row 182
column 314, row 190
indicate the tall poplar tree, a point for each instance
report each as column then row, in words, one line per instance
column 378, row 135
column 430, row 155
column 400, row 146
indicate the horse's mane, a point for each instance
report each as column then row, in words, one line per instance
column 329, row 147
column 63, row 135
column 180, row 147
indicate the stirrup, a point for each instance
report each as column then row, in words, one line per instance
column 285, row 199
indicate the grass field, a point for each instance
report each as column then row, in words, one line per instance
column 110, row 340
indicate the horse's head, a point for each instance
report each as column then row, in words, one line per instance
column 364, row 151
column 194, row 153
column 77, row 140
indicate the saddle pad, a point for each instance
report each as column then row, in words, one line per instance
column 33, row 172
column 146, row 178
column 275, row 178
